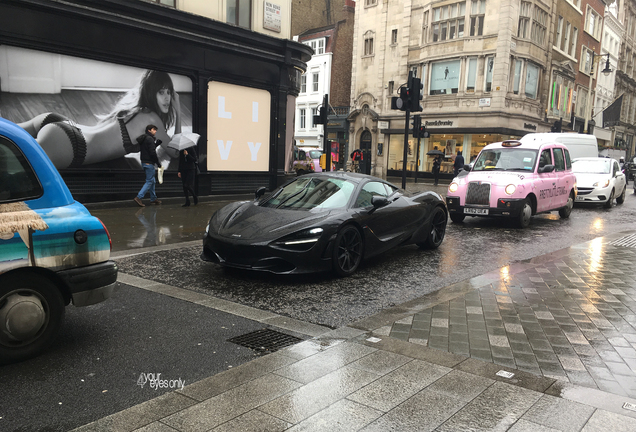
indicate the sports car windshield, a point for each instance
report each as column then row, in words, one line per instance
column 601, row 166
column 506, row 159
column 312, row 193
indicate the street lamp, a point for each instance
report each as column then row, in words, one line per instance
column 606, row 72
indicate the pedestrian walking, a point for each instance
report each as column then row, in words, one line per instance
column 148, row 155
column 459, row 162
column 188, row 164
column 437, row 164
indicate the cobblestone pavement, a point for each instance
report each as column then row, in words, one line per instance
column 568, row 315
column 542, row 345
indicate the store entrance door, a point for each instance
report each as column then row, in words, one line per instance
column 365, row 146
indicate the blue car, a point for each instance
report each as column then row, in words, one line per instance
column 52, row 251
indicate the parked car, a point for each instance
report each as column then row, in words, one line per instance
column 599, row 180
column 302, row 164
column 322, row 222
column 52, row 251
column 516, row 180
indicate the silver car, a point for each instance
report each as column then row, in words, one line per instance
column 599, row 180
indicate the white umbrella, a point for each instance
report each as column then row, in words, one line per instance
column 183, row 141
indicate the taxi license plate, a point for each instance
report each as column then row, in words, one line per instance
column 476, row 211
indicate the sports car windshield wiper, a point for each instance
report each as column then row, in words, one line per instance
column 303, row 191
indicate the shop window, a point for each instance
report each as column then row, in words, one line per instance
column 516, row 80
column 472, row 75
column 532, row 80
column 238, row 12
column 490, row 61
column 303, row 83
column 302, row 118
column 477, row 12
column 448, row 22
column 368, row 43
column 444, row 77
column 561, row 94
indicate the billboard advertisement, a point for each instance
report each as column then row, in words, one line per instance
column 88, row 114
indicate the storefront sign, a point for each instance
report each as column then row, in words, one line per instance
column 484, row 102
column 383, row 125
column 530, row 126
column 272, row 17
column 439, row 123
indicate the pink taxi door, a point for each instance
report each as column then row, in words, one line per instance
column 546, row 181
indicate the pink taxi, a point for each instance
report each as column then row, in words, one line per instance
column 514, row 180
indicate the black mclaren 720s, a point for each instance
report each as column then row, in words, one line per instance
column 321, row 222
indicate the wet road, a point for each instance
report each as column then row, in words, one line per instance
column 472, row 248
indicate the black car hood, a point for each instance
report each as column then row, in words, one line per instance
column 253, row 222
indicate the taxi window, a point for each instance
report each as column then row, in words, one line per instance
column 18, row 181
column 367, row 193
column 545, row 159
column 568, row 161
column 559, row 160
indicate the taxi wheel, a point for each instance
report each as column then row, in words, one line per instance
column 348, row 251
column 457, row 218
column 31, row 314
column 439, row 220
column 610, row 201
column 621, row 199
column 564, row 212
column 523, row 220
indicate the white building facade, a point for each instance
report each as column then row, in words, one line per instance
column 314, row 84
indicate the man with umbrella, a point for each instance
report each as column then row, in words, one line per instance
column 188, row 164
column 437, row 163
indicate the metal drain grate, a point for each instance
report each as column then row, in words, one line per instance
column 627, row 241
column 265, row 341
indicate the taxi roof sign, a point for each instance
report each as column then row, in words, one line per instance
column 511, row 143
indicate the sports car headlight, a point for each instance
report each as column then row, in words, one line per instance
column 453, row 187
column 602, row 184
column 510, row 189
column 299, row 241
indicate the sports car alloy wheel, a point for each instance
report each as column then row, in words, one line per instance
column 348, row 250
column 438, row 230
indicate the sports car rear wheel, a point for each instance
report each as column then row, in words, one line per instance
column 439, row 219
column 348, row 250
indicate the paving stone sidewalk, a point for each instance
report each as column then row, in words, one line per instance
column 557, row 323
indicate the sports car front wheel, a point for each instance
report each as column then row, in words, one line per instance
column 348, row 250
column 439, row 219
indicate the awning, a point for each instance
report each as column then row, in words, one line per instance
column 612, row 114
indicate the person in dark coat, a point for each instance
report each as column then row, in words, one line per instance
column 187, row 173
column 437, row 165
column 459, row 162
column 149, row 160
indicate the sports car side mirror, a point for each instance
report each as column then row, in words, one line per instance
column 546, row 169
column 379, row 201
column 260, row 192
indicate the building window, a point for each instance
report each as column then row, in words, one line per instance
column 239, row 13
column 524, row 20
column 321, row 46
column 303, row 83
column 581, row 102
column 394, row 37
column 472, row 75
column 370, row 2
column 414, row 71
column 444, row 77
column 593, row 23
column 566, row 37
column 532, row 80
column 516, row 81
column 391, row 87
column 539, row 24
column 559, row 32
column 575, row 34
column 315, row 78
column 314, row 112
column 302, row 118
column 477, row 11
column 585, row 65
column 561, row 94
column 448, row 22
column 490, row 61
column 425, row 28
column 368, row 43
column 171, row 3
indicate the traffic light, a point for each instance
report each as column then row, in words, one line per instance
column 417, row 125
column 401, row 102
column 423, row 132
column 321, row 118
column 557, row 126
column 414, row 87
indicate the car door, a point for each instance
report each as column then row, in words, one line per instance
column 564, row 178
column 619, row 179
column 546, row 181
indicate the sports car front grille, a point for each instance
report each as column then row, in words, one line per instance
column 478, row 193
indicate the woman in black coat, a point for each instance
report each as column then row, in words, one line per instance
column 187, row 173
